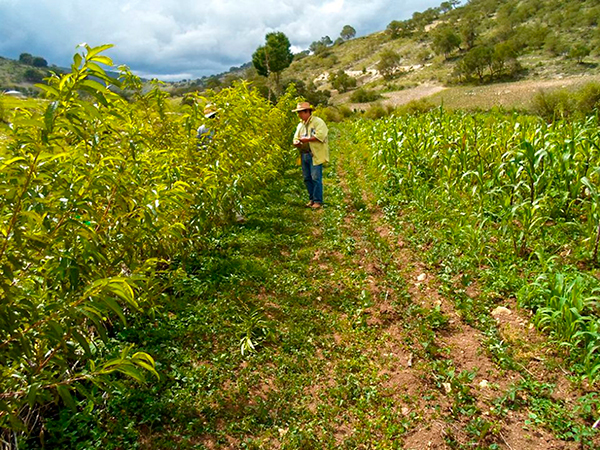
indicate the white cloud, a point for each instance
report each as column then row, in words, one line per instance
column 185, row 38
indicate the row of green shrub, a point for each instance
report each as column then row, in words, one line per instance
column 99, row 194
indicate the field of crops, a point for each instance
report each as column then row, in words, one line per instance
column 515, row 201
column 445, row 297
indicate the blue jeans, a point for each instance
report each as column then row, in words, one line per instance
column 313, row 178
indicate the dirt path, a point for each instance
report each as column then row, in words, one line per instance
column 359, row 343
column 519, row 94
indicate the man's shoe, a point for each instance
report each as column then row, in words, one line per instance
column 316, row 206
column 310, row 204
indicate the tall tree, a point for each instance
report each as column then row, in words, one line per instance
column 388, row 63
column 273, row 57
column 38, row 61
column 347, row 32
column 26, row 58
column 445, row 40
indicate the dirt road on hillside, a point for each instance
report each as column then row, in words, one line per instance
column 507, row 95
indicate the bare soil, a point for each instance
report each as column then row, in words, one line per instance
column 517, row 94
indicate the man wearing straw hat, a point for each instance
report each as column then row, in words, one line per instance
column 311, row 139
column 205, row 133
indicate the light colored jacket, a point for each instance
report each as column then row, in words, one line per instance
column 316, row 127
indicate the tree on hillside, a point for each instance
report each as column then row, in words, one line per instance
column 579, row 52
column 33, row 76
column 38, row 61
column 347, row 32
column 476, row 61
column 504, row 59
column 341, row 81
column 273, row 57
column 320, row 47
column 445, row 41
column 448, row 6
column 26, row 58
column 399, row 28
column 421, row 19
column 388, row 62
column 213, row 82
column 468, row 30
column 309, row 92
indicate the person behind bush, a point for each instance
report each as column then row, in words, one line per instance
column 205, row 133
column 311, row 139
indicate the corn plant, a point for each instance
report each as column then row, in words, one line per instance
column 494, row 187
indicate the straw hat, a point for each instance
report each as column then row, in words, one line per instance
column 302, row 106
column 210, row 110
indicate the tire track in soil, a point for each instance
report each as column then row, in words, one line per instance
column 461, row 342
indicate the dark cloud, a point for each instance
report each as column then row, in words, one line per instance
column 186, row 38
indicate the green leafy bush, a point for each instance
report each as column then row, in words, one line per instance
column 96, row 199
column 565, row 103
column 363, row 95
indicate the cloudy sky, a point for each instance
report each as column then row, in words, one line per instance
column 184, row 39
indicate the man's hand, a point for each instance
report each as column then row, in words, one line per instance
column 305, row 140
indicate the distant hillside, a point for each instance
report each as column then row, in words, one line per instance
column 483, row 43
column 16, row 75
column 22, row 76
column 439, row 52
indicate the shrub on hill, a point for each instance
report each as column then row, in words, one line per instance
column 341, row 81
column 414, row 107
column 388, row 63
column 363, row 95
column 33, row 76
column 376, row 112
column 334, row 113
column 563, row 103
column 309, row 92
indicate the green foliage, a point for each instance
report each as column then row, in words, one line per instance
column 563, row 103
column 506, row 190
column 38, row 61
column 493, row 62
column 26, row 58
column 347, row 33
column 476, row 61
column 310, row 92
column 341, row 81
column 3, row 115
column 376, row 111
column 579, row 52
column 468, row 30
column 388, row 63
column 445, row 41
column 334, row 113
column 97, row 199
column 397, row 29
column 274, row 56
column 565, row 307
column 363, row 95
column 414, row 107
column 321, row 46
column 33, row 75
